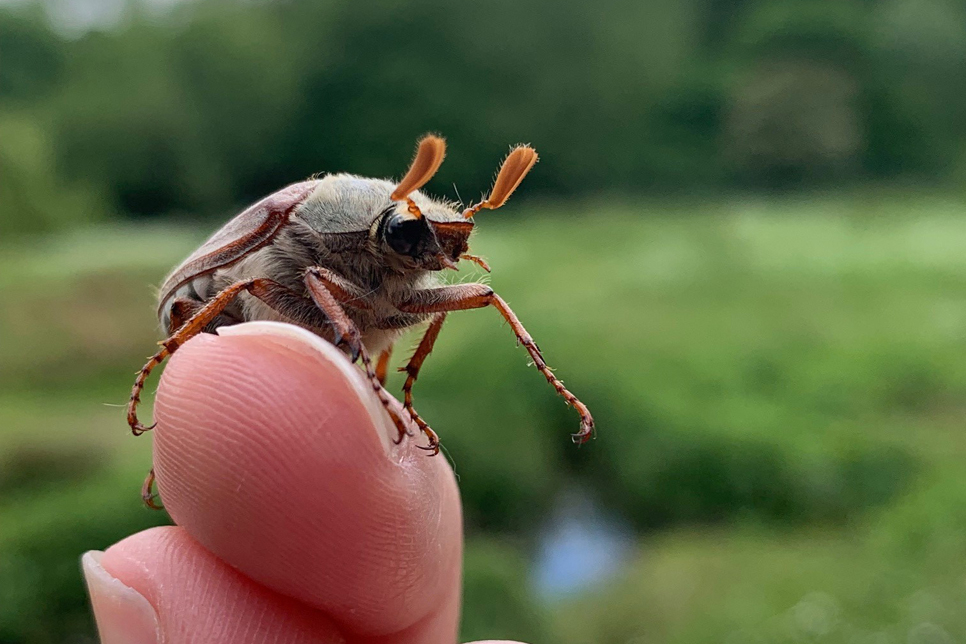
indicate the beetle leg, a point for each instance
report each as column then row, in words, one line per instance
column 275, row 295
column 347, row 333
column 341, row 289
column 148, row 495
column 195, row 324
column 474, row 296
column 320, row 314
column 412, row 372
column 137, row 428
column 382, row 365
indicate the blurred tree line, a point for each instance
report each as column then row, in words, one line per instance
column 204, row 106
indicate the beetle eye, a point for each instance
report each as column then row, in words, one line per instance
column 403, row 234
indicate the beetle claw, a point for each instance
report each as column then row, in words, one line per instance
column 354, row 346
column 432, row 448
column 138, row 429
column 586, row 432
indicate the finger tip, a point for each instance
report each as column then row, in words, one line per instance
column 250, row 363
column 271, row 335
column 262, row 399
column 270, row 454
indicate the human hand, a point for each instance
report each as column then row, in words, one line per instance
column 298, row 518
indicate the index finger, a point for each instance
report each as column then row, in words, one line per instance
column 273, row 452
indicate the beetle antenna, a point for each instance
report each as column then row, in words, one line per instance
column 516, row 166
column 429, row 155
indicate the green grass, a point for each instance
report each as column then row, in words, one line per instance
column 896, row 577
column 778, row 384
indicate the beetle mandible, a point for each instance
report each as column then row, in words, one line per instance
column 352, row 259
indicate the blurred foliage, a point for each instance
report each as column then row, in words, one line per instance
column 205, row 106
column 898, row 578
column 498, row 599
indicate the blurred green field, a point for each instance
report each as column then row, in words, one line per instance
column 779, row 387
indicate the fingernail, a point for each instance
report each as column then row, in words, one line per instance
column 122, row 614
column 305, row 342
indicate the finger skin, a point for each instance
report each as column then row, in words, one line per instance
column 268, row 453
column 198, row 598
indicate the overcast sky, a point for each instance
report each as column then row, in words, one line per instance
column 75, row 17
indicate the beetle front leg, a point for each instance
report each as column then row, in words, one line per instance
column 148, row 495
column 412, row 372
column 341, row 289
column 474, row 296
column 321, row 291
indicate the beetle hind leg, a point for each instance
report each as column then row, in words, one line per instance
column 192, row 327
column 137, row 427
column 182, row 309
column 272, row 293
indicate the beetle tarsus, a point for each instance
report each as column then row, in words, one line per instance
column 354, row 351
column 352, row 344
column 432, row 448
column 383, row 395
column 403, row 433
column 431, row 436
column 586, row 431
column 137, row 427
column 412, row 370
column 147, row 492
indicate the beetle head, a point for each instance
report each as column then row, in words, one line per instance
column 438, row 239
column 431, row 244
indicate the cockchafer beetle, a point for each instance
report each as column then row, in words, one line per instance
column 352, row 259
